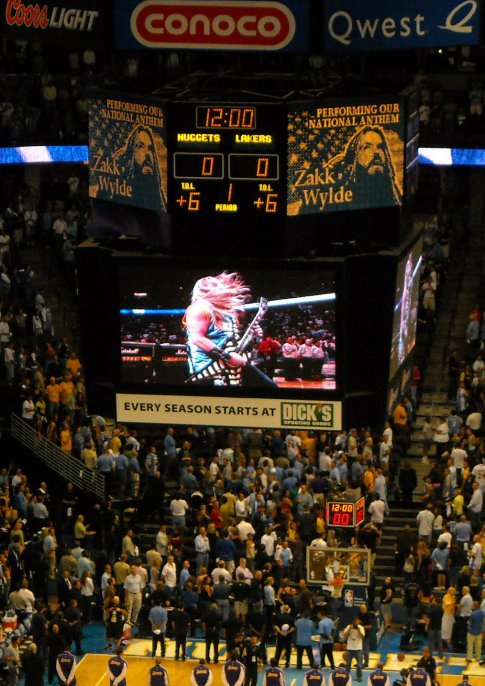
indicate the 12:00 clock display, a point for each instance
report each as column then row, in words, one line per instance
column 226, row 159
column 217, row 117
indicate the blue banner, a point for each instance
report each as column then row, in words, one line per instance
column 354, row 25
column 241, row 25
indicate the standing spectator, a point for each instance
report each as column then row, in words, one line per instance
column 133, row 586
column 169, row 575
column 284, row 627
column 252, row 657
column 32, row 667
column 12, row 658
column 428, row 663
column 212, row 623
column 304, row 630
column 202, row 549
column 180, row 623
column 475, row 633
column 178, row 510
column 354, row 635
column 158, row 620
column 366, row 620
column 408, row 481
column 115, row 618
column 434, row 622
column 441, row 437
column 326, row 628
column 386, row 596
column 425, row 519
column 449, row 607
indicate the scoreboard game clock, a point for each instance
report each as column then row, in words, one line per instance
column 228, row 160
column 349, row 512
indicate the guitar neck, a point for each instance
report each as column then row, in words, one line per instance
column 247, row 337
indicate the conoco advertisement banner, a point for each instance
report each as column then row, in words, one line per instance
column 257, row 25
column 71, row 22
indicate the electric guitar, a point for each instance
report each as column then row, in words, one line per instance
column 225, row 375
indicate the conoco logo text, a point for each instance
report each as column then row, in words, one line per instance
column 213, row 24
column 37, row 17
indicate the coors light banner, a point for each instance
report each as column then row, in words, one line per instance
column 71, row 22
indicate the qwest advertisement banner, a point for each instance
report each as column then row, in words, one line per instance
column 127, row 152
column 70, row 22
column 240, row 412
column 345, row 154
column 261, row 25
column 353, row 25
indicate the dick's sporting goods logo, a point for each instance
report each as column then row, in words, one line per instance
column 215, row 24
column 307, row 415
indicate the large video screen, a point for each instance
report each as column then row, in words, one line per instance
column 228, row 326
column 345, row 154
column 405, row 307
column 128, row 152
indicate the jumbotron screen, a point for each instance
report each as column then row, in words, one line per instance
column 225, row 325
column 405, row 307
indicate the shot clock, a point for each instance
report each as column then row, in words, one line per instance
column 228, row 160
column 345, row 513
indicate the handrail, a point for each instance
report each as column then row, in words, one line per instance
column 66, row 466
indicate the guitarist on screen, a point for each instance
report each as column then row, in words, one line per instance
column 216, row 348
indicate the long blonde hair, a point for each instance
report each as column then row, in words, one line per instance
column 222, row 294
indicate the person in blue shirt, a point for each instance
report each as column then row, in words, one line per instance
column 325, row 629
column 378, row 677
column 304, row 631
column 158, row 620
column 66, row 666
column 475, row 633
column 201, row 675
column 158, row 675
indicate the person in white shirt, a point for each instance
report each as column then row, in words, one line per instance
column 219, row 571
column 458, row 455
column 425, row 520
column 293, row 444
column 478, row 472
column 377, row 510
column 476, row 553
column 475, row 505
column 320, row 543
column 244, row 529
column 445, row 537
column 241, row 507
column 244, row 570
column 202, row 549
column 169, row 574
column 354, row 635
column 178, row 509
column 474, row 421
column 465, row 605
column 133, row 586
column 269, row 541
column 161, row 540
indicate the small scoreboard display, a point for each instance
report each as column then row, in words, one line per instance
column 226, row 160
column 349, row 512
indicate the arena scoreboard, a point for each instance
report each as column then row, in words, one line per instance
column 227, row 160
column 349, row 512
